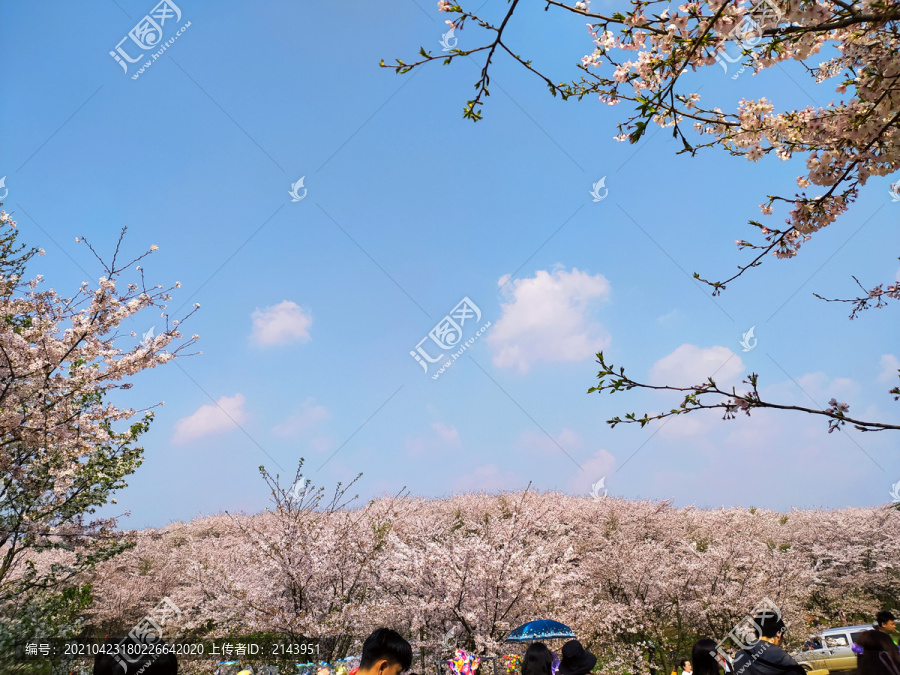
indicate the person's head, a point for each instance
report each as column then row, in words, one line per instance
column 771, row 626
column 885, row 621
column 703, row 656
column 879, row 654
column 576, row 660
column 685, row 665
column 385, row 652
column 538, row 660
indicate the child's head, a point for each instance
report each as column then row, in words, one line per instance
column 385, row 652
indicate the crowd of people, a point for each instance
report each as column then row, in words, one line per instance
column 386, row 652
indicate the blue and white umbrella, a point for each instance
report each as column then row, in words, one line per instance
column 542, row 629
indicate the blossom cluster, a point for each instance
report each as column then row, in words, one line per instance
column 845, row 142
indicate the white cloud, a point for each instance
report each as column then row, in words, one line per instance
column 690, row 365
column 536, row 443
column 280, row 324
column 449, row 434
column 812, row 390
column 487, row 478
column 547, row 317
column 763, row 433
column 821, row 387
column 309, row 416
column 890, row 364
column 321, row 444
column 209, row 419
column 687, row 426
column 431, row 444
column 565, row 447
column 599, row 466
column 670, row 318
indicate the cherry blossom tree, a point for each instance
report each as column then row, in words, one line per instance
column 304, row 567
column 470, row 569
column 66, row 446
column 646, row 56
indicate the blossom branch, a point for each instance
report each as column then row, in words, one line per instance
column 695, row 398
column 878, row 294
column 845, row 143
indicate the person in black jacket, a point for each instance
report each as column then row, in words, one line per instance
column 766, row 657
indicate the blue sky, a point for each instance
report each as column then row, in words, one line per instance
column 310, row 308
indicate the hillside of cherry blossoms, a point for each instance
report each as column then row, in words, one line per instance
column 622, row 573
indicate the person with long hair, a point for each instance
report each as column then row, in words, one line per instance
column 538, row 660
column 879, row 656
column 702, row 658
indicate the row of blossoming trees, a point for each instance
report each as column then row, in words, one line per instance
column 635, row 579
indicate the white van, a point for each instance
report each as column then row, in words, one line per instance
column 831, row 649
